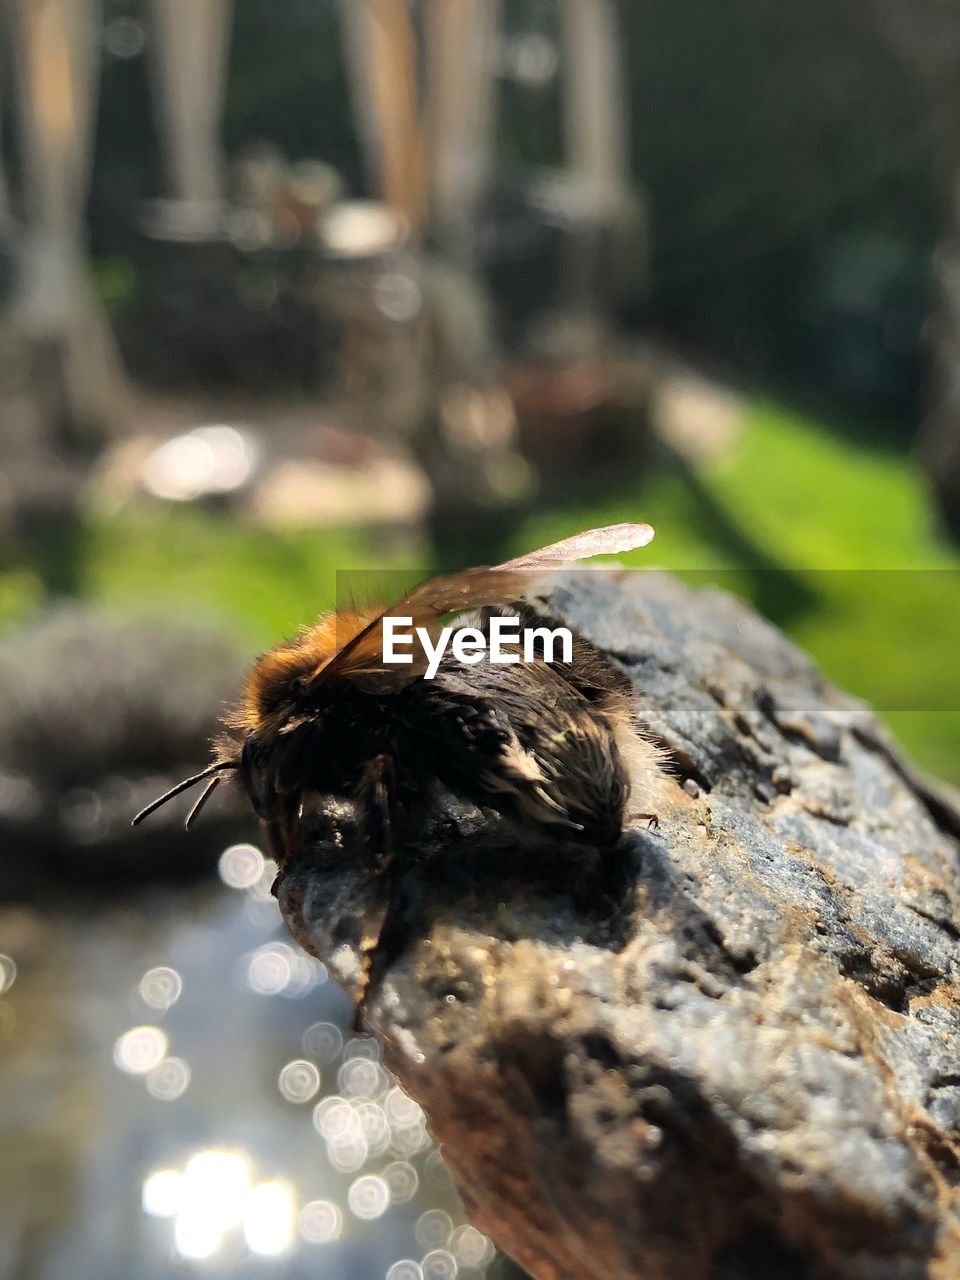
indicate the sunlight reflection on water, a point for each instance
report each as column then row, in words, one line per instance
column 186, row 1142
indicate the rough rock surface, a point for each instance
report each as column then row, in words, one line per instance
column 729, row 1050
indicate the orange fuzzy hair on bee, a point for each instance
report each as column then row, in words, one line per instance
column 276, row 675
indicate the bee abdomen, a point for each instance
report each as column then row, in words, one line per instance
column 571, row 780
column 524, row 741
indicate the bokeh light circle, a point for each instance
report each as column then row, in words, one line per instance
column 361, row 1078
column 368, row 1197
column 276, row 969
column 262, row 888
column 161, row 987
column 374, row 1127
column 299, row 1081
column 334, row 1116
column 8, row 973
column 139, row 1050
column 439, row 1264
column 268, row 1219
column 362, row 1047
column 323, row 1041
column 241, row 866
column 320, row 1222
column 401, row 1109
column 471, row 1247
column 434, row 1228
column 405, row 1269
column 218, row 1182
column 347, row 1152
column 402, row 1179
column 196, row 1235
column 168, row 1080
column 162, row 1193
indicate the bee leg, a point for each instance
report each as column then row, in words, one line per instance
column 282, row 826
column 651, row 819
column 272, row 819
column 377, row 796
column 369, row 943
column 402, row 905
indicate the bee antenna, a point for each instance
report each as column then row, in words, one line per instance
column 185, row 785
column 204, row 796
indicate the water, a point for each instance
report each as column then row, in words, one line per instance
column 179, row 1092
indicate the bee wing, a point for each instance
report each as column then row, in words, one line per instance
column 609, row 540
column 362, row 656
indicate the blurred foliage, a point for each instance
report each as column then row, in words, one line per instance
column 831, row 537
column 784, row 152
column 208, row 316
column 787, row 158
column 287, row 83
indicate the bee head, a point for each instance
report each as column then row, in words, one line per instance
column 277, row 687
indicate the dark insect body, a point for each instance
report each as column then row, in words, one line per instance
column 536, row 742
column 548, row 746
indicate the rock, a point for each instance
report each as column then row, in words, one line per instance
column 732, row 1049
column 98, row 715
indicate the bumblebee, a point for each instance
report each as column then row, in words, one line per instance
column 550, row 747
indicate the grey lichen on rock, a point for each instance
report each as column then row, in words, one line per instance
column 731, row 1048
